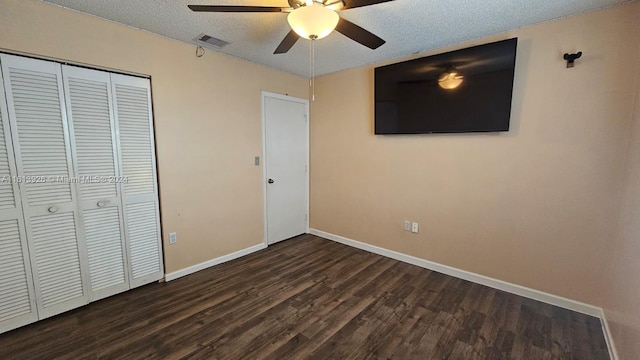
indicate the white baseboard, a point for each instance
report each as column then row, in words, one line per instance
column 207, row 264
column 469, row 276
column 608, row 337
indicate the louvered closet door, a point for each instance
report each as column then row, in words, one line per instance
column 142, row 222
column 17, row 298
column 38, row 125
column 92, row 129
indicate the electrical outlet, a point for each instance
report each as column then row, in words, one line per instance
column 407, row 225
column 414, row 228
column 173, row 238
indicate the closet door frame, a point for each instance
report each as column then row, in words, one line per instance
column 16, row 213
column 133, row 199
column 98, row 76
column 48, row 67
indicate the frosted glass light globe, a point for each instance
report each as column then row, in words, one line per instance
column 313, row 21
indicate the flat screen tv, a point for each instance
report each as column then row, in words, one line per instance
column 467, row 90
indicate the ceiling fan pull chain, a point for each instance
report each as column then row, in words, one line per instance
column 310, row 63
column 313, row 70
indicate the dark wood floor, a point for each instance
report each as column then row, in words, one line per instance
column 310, row 298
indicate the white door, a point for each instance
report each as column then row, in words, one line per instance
column 286, row 139
column 134, row 124
column 17, row 299
column 92, row 129
column 43, row 157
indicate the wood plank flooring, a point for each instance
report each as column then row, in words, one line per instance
column 311, row 298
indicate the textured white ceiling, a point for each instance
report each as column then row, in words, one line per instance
column 408, row 26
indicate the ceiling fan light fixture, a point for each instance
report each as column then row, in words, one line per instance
column 313, row 21
column 450, row 79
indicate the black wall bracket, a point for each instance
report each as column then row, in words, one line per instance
column 571, row 58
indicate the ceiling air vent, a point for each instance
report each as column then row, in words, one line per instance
column 210, row 42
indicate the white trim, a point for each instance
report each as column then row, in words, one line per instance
column 71, row 63
column 308, row 174
column 608, row 337
column 305, row 102
column 469, row 276
column 263, row 116
column 209, row 263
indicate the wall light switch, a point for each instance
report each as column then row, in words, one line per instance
column 407, row 225
column 173, row 238
column 256, row 161
column 414, row 228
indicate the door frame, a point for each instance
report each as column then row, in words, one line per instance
column 265, row 95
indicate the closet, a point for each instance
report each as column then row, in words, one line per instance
column 79, row 217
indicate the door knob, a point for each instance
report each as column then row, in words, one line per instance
column 52, row 209
column 101, row 203
column 270, row 181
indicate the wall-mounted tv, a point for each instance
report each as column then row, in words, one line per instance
column 467, row 90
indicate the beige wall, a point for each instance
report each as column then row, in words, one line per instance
column 536, row 206
column 623, row 286
column 207, row 117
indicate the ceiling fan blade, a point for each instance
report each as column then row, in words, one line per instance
column 358, row 34
column 287, row 42
column 350, row 4
column 235, row 8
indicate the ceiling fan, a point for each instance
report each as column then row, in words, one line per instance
column 311, row 19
